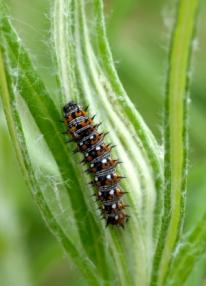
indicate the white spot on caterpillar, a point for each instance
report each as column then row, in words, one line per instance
column 111, row 192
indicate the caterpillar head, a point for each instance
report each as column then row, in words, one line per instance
column 70, row 107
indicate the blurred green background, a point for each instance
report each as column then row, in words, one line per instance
column 139, row 34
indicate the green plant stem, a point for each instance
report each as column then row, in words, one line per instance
column 175, row 137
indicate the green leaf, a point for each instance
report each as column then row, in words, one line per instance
column 94, row 81
column 188, row 251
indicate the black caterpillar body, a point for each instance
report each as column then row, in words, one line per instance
column 97, row 156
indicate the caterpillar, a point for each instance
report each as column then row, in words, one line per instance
column 97, row 157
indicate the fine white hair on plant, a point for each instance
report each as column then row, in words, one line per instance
column 150, row 249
